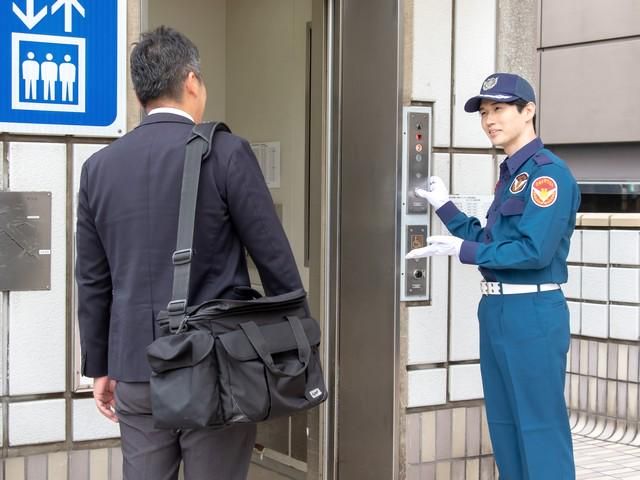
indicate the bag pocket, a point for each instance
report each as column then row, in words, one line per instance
column 265, row 370
column 184, row 381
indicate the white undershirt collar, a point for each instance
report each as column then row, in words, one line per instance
column 175, row 111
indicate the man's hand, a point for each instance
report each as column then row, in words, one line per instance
column 103, row 393
column 438, row 245
column 437, row 195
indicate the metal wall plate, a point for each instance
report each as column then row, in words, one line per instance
column 416, row 161
column 25, row 241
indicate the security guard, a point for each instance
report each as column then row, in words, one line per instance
column 521, row 253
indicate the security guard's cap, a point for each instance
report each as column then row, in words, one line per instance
column 504, row 88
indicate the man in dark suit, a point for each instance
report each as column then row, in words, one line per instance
column 126, row 233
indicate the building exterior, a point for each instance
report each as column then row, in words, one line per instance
column 323, row 90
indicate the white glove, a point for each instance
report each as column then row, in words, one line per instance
column 438, row 245
column 437, row 195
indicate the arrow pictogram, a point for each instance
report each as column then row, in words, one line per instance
column 69, row 5
column 29, row 18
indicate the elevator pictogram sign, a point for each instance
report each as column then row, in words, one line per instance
column 62, row 67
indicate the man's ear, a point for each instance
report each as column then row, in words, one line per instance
column 530, row 110
column 192, row 83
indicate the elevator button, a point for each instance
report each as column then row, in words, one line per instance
column 418, row 274
column 418, row 147
column 418, row 157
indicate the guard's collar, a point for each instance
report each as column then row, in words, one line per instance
column 515, row 161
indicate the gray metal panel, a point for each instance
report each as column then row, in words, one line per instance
column 368, row 279
column 25, row 240
column 588, row 94
column 576, row 21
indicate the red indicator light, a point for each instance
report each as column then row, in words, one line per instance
column 418, row 136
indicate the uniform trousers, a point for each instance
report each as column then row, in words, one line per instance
column 154, row 454
column 524, row 339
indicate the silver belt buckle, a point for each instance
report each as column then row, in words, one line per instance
column 490, row 288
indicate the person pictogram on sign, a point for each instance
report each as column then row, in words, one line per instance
column 67, row 78
column 30, row 75
column 49, row 70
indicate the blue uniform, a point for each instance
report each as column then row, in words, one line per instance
column 524, row 338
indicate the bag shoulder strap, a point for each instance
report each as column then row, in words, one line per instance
column 198, row 147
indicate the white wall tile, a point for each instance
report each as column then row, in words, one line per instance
column 36, row 422
column 427, row 336
column 625, row 247
column 573, row 287
column 624, row 322
column 624, row 284
column 575, row 314
column 595, row 283
column 595, row 320
column 465, row 295
column 440, row 166
column 89, row 424
column 473, row 174
column 432, row 63
column 37, row 318
column 475, row 37
column 465, row 382
column 595, row 246
column 427, row 387
column 575, row 247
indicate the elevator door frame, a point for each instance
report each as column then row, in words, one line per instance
column 362, row 243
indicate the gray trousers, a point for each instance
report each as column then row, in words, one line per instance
column 153, row 454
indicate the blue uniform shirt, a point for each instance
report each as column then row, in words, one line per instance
column 529, row 224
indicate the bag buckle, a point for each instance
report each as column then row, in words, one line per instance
column 180, row 257
column 177, row 307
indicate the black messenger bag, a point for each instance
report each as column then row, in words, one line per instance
column 229, row 361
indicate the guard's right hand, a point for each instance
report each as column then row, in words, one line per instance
column 437, row 195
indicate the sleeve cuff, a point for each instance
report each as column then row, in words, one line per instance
column 447, row 211
column 468, row 252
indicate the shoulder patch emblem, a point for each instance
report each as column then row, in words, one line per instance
column 544, row 191
column 519, row 183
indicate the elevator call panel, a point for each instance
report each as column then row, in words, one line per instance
column 416, row 160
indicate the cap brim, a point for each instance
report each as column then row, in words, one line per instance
column 473, row 104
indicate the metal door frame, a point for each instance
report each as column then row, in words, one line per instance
column 361, row 241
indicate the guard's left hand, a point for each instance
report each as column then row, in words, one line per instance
column 438, row 245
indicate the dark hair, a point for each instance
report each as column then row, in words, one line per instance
column 160, row 62
column 520, row 104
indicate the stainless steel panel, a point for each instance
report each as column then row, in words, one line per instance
column 576, row 21
column 25, row 240
column 588, row 95
column 418, row 153
column 415, row 269
column 368, row 289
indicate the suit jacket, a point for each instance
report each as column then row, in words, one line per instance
column 126, row 233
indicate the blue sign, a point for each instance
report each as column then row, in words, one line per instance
column 62, row 67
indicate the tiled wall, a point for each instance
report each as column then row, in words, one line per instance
column 449, row 443
column 98, row 464
column 604, row 299
column 39, row 396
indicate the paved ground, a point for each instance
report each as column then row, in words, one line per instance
column 597, row 459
